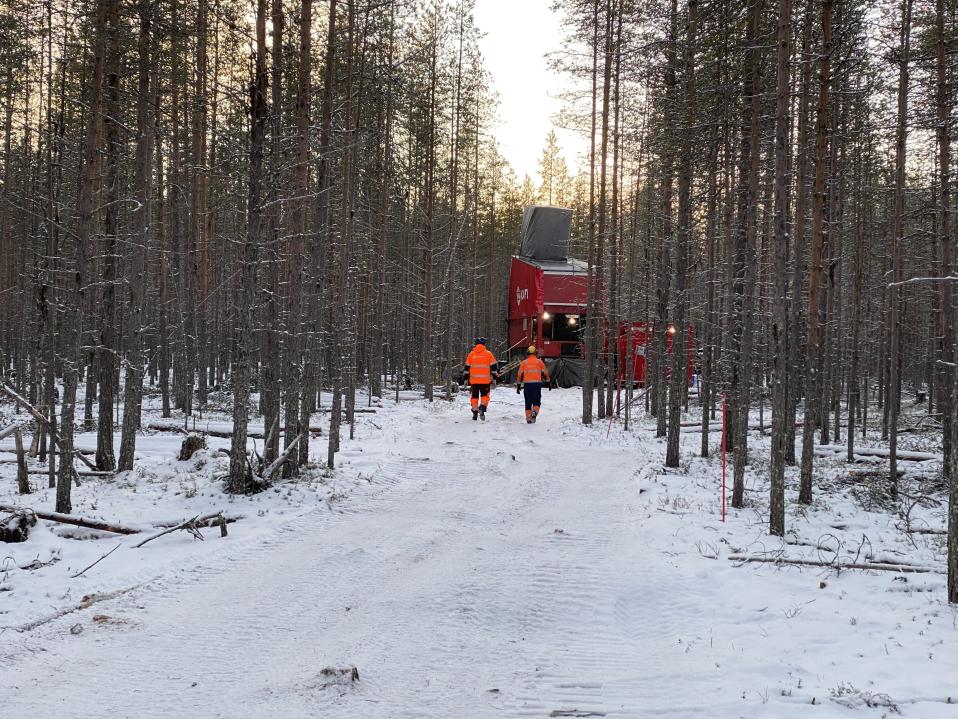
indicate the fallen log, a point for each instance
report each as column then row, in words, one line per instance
column 88, row 463
column 694, row 427
column 218, row 433
column 904, row 455
column 358, row 410
column 90, row 473
column 926, row 530
column 190, row 525
column 85, row 452
column 76, row 521
column 880, row 566
column 4, row 433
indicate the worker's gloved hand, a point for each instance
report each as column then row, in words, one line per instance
column 518, row 388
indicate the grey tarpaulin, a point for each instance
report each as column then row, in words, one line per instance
column 545, row 232
column 564, row 371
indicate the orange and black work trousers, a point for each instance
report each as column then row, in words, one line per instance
column 480, row 392
column 532, row 393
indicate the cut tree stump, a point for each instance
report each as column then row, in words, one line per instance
column 23, row 481
column 192, row 444
column 15, row 524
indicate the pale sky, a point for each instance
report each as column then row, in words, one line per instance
column 518, row 35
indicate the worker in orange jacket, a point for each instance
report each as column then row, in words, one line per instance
column 532, row 374
column 480, row 370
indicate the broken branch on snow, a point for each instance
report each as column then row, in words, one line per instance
column 880, row 566
column 74, row 576
column 191, row 526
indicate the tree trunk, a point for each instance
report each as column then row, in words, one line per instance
column 238, row 481
column 85, row 220
column 854, row 387
column 311, row 379
column 108, row 345
column 946, row 300
column 133, row 386
column 819, row 211
column 679, row 371
column 295, row 253
column 779, row 336
column 427, row 360
column 200, row 186
column 897, row 231
column 953, row 501
column 271, row 335
column 591, row 291
column 745, row 256
column 600, row 294
column 796, row 366
column 340, row 338
column 23, row 481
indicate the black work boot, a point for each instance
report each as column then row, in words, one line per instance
column 475, row 415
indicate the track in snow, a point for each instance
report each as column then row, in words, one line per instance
column 491, row 570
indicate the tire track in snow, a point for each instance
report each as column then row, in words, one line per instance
column 570, row 676
column 444, row 581
column 191, row 627
column 196, row 625
column 615, row 647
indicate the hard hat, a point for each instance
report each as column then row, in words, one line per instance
column 532, row 349
column 480, row 340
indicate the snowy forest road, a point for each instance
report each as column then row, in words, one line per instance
column 486, row 570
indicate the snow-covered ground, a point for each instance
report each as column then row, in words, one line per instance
column 478, row 570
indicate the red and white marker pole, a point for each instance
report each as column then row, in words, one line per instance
column 723, row 457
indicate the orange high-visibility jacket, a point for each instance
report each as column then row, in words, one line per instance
column 532, row 369
column 480, row 363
